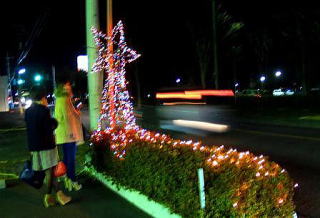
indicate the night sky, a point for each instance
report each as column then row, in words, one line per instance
column 164, row 32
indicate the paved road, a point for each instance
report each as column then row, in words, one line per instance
column 298, row 146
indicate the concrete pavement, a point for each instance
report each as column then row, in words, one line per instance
column 93, row 201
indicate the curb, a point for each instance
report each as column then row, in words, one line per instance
column 141, row 201
column 2, row 184
column 12, row 129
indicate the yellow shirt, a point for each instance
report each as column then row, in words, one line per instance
column 69, row 122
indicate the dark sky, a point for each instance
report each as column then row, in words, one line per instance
column 159, row 30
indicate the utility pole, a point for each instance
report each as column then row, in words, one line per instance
column 110, row 48
column 21, row 109
column 109, row 17
column 95, row 79
column 9, row 74
column 215, row 45
column 53, row 69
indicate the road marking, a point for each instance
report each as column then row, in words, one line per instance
column 277, row 134
column 179, row 111
column 12, row 129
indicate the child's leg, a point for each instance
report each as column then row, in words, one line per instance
column 49, row 176
column 49, row 199
column 69, row 158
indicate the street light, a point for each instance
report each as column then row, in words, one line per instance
column 20, row 81
column 262, row 79
column 278, row 73
column 178, row 80
column 22, row 71
column 37, row 78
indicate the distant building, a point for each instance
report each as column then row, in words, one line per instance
column 4, row 94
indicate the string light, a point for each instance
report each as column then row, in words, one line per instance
column 117, row 124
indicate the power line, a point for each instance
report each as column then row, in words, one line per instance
column 37, row 28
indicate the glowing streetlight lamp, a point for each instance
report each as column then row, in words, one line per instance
column 22, row 71
column 20, row 81
column 262, row 79
column 236, row 84
column 278, row 73
column 37, row 78
column 178, row 80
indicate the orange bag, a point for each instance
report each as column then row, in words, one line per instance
column 60, row 169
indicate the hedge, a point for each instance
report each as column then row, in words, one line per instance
column 237, row 184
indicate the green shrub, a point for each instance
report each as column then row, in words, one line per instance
column 237, row 185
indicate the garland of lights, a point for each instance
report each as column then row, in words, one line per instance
column 117, row 110
column 117, row 122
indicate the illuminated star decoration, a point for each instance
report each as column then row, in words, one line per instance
column 115, row 74
column 117, row 115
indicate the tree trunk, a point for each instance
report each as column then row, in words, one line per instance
column 303, row 71
column 215, row 50
column 203, row 72
column 234, row 70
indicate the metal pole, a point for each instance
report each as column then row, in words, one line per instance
column 111, row 76
column 109, row 17
column 95, row 79
column 53, row 77
column 20, row 96
column 202, row 196
column 9, row 75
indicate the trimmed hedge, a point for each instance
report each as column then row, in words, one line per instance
column 168, row 175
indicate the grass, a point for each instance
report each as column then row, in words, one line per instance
column 282, row 116
column 14, row 152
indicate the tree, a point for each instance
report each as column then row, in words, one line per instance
column 227, row 29
column 301, row 30
column 261, row 42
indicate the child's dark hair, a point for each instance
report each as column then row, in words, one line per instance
column 38, row 92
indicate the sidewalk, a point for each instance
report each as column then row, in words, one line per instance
column 21, row 200
column 93, row 201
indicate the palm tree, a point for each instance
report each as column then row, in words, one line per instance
column 226, row 29
column 304, row 33
column 261, row 42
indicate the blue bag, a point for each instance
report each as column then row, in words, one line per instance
column 31, row 177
